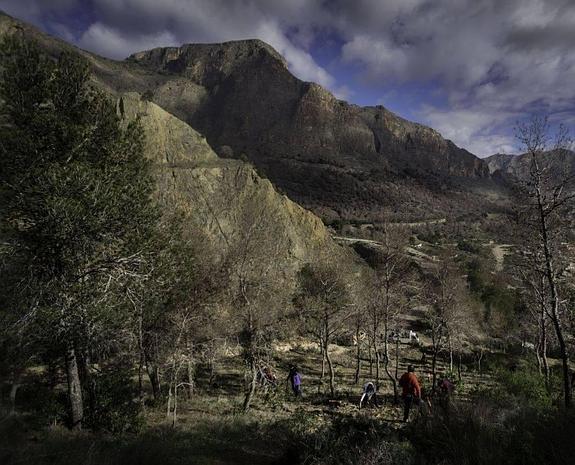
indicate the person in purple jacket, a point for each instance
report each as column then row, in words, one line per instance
column 294, row 379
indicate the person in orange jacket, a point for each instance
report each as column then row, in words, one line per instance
column 411, row 391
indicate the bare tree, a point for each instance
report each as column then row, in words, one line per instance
column 545, row 212
column 358, row 323
column 445, row 295
column 257, row 273
column 537, row 304
column 325, row 304
column 388, row 296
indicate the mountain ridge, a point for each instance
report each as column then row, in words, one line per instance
column 340, row 160
column 205, row 57
column 516, row 166
column 305, row 139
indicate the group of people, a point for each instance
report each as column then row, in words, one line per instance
column 411, row 390
column 266, row 378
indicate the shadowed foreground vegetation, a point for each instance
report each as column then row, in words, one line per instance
column 513, row 421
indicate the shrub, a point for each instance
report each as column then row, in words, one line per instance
column 522, row 386
column 483, row 434
column 467, row 246
column 116, row 409
column 344, row 440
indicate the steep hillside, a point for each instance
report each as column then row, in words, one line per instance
column 224, row 198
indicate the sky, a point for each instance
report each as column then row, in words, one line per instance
column 468, row 68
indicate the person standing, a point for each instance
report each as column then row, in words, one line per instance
column 446, row 388
column 411, row 391
column 294, row 379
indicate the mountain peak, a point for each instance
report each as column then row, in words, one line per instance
column 205, row 61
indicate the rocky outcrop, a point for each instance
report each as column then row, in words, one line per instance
column 560, row 164
column 419, row 149
column 209, row 64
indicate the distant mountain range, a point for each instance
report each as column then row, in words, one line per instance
column 516, row 167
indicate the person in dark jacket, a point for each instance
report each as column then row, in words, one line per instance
column 445, row 388
column 294, row 379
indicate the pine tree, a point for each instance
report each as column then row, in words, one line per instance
column 75, row 191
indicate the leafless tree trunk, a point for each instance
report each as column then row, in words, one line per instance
column 16, row 380
column 538, row 356
column 141, row 356
column 554, row 297
column 479, row 359
column 549, row 198
column 370, row 355
column 543, row 345
column 331, row 369
column 397, row 359
column 450, row 346
column 434, row 368
column 175, row 410
column 386, row 363
column 190, row 374
column 170, row 400
column 74, row 387
column 154, row 375
column 322, row 352
column 326, row 333
column 251, row 386
column 357, row 355
column 250, row 354
column 377, row 362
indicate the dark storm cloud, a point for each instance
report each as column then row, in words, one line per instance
column 489, row 61
column 553, row 36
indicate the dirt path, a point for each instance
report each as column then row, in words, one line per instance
column 499, row 251
column 353, row 240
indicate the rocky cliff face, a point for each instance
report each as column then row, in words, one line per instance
column 253, row 100
column 336, row 158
